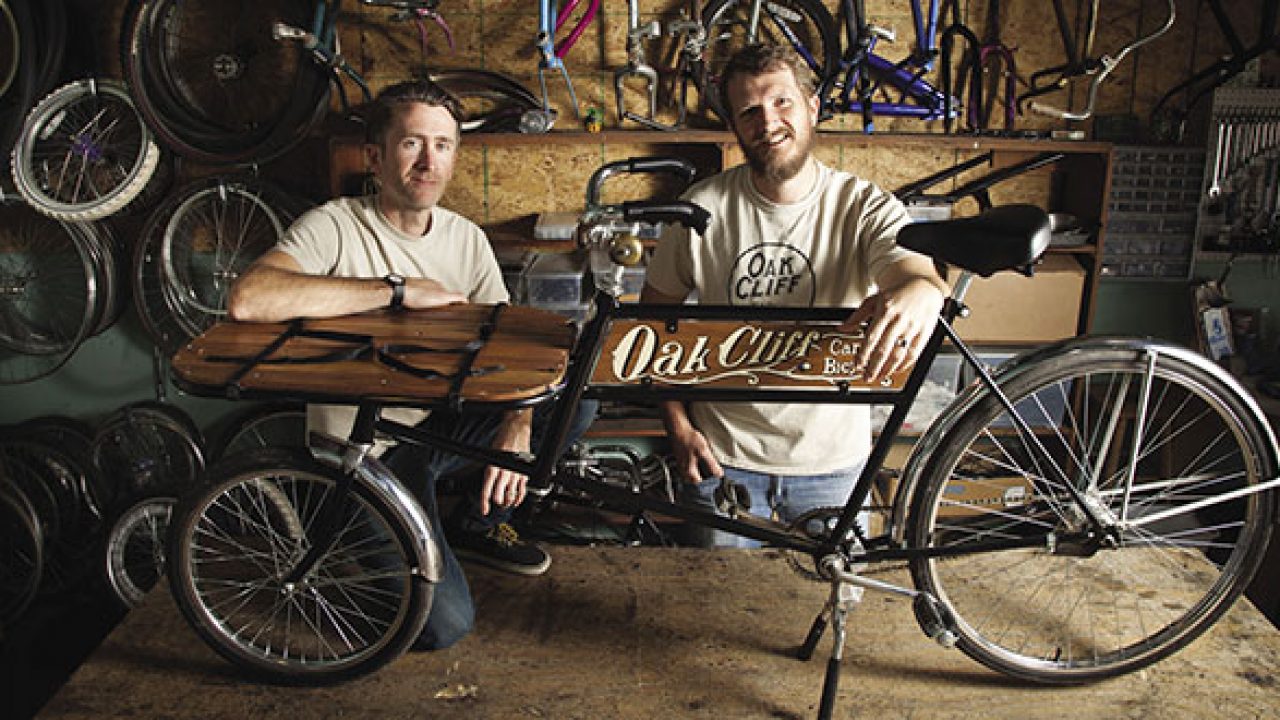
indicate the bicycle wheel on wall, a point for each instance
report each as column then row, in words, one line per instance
column 233, row 544
column 134, row 556
column 21, row 553
column 214, row 84
column 280, row 425
column 52, row 292
column 84, row 152
column 9, row 47
column 1144, row 433
column 195, row 244
column 803, row 25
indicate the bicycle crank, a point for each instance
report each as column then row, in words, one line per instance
column 818, row 524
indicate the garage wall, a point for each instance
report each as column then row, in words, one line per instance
column 117, row 366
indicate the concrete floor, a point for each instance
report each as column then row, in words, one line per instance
column 658, row 633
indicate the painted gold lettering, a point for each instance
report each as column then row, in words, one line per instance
column 632, row 355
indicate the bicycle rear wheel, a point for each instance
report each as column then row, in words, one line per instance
column 213, row 83
column 84, row 152
column 233, row 545
column 805, row 26
column 1144, row 433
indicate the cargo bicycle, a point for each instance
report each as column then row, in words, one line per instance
column 1082, row 511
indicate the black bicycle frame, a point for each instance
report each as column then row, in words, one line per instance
column 541, row 466
column 1205, row 81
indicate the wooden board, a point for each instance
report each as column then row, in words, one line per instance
column 411, row 358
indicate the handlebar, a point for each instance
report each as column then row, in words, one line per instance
column 693, row 216
column 1105, row 65
column 681, row 168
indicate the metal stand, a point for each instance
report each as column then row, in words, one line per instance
column 846, row 591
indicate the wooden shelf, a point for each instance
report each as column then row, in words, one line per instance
column 724, row 137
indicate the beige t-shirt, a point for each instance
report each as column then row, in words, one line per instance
column 824, row 251
column 350, row 237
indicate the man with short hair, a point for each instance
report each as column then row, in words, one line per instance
column 787, row 230
column 399, row 248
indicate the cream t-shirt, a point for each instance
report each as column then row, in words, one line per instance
column 824, row 251
column 350, row 237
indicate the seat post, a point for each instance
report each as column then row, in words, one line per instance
column 961, row 288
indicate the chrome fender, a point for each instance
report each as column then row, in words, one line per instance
column 1019, row 365
column 373, row 474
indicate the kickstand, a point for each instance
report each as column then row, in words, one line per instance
column 847, row 587
column 844, row 596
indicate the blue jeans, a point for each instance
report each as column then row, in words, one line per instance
column 778, row 497
column 453, row 612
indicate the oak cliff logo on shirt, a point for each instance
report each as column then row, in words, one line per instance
column 772, row 274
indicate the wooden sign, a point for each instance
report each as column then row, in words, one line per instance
column 735, row 354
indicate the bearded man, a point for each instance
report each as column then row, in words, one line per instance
column 787, row 230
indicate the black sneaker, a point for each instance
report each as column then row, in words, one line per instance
column 500, row 547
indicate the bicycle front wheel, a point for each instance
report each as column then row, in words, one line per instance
column 805, row 26
column 1151, row 438
column 233, row 547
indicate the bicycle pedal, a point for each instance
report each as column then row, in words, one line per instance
column 732, row 498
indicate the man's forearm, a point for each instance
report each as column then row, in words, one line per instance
column 269, row 294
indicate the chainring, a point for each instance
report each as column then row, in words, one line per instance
column 817, row 524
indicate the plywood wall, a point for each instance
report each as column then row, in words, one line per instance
column 498, row 185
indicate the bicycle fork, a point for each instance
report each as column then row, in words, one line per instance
column 637, row 67
column 847, row 588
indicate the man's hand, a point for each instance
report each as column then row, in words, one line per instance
column 506, row 488
column 898, row 319
column 423, row 293
column 690, row 447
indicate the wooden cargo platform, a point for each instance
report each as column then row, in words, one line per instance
column 662, row 633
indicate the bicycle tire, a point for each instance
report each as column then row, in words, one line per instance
column 1074, row 612
column 214, row 85
column 51, row 302
column 149, row 448
column 280, row 425
column 22, row 90
column 84, row 152
column 50, row 25
column 215, row 232
column 805, row 25
column 21, row 553
column 10, row 47
column 234, row 539
column 133, row 561
column 73, row 440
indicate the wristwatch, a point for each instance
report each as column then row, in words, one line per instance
column 396, row 282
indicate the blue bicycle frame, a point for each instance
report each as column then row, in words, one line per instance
column 865, row 73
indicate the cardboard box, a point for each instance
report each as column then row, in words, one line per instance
column 1011, row 308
